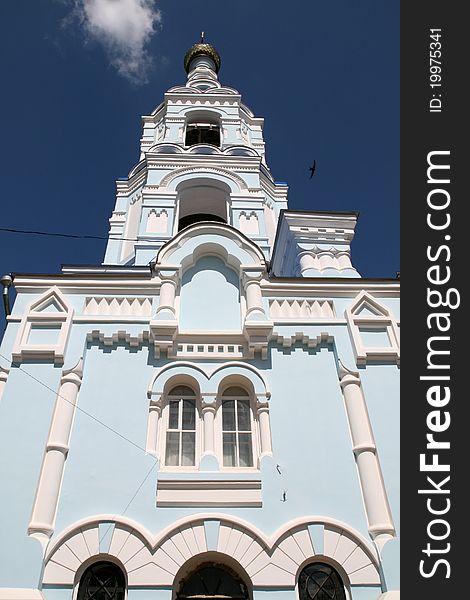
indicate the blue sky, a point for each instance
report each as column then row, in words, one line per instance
column 77, row 76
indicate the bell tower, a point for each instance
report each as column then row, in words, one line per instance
column 202, row 159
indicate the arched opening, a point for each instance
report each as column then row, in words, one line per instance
column 202, row 200
column 212, row 580
column 203, row 128
column 191, row 219
column 320, row 581
column 180, row 443
column 237, row 436
column 102, row 581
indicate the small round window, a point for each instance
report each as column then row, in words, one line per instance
column 319, row 581
column 102, row 581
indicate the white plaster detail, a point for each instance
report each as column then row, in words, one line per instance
column 379, row 518
column 301, row 309
column 302, row 338
column 157, row 221
column 366, row 313
column 131, row 231
column 45, row 504
column 50, row 316
column 249, row 223
column 314, row 244
column 116, row 306
column 209, row 492
column 270, row 562
column 117, row 338
column 20, row 594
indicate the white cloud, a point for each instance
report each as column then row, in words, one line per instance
column 124, row 28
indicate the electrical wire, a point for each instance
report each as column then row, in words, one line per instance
column 66, row 235
column 82, row 410
column 147, row 475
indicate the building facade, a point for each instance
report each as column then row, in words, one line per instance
column 212, row 411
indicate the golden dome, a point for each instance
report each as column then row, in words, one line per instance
column 201, row 49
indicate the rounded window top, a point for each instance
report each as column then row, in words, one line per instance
column 102, row 581
column 235, row 390
column 213, row 580
column 320, row 581
column 181, row 390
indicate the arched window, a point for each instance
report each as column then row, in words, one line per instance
column 203, row 128
column 319, row 581
column 180, row 446
column 237, row 428
column 212, row 580
column 102, row 581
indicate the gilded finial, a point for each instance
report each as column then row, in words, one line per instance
column 202, row 37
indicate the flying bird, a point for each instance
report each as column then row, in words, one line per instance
column 312, row 169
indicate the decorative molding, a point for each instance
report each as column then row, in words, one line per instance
column 118, row 338
column 49, row 316
column 368, row 315
column 114, row 306
column 46, row 501
column 377, row 509
column 302, row 338
column 291, row 308
column 209, row 492
column 241, row 184
column 270, row 562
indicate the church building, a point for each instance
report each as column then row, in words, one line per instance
column 211, row 413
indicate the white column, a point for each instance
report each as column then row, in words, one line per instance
column 167, row 296
column 47, row 494
column 307, row 260
column 155, row 412
column 378, row 514
column 254, row 297
column 208, row 415
column 264, row 428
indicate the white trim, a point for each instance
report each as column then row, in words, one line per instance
column 207, row 493
column 41, row 525
column 270, row 562
column 34, row 316
column 381, row 320
column 20, row 594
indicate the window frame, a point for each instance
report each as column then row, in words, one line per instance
column 165, row 429
column 325, row 562
column 87, row 565
column 219, row 431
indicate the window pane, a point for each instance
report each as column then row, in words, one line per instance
column 181, row 390
column 235, row 390
column 230, row 450
column 189, row 415
column 172, row 448
column 173, row 416
column 228, row 415
column 189, row 446
column 244, row 447
column 243, row 414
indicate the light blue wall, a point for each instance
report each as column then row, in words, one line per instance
column 107, row 465
column 210, row 297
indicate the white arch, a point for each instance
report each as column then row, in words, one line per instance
column 208, row 381
column 177, row 176
column 270, row 561
column 231, row 245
